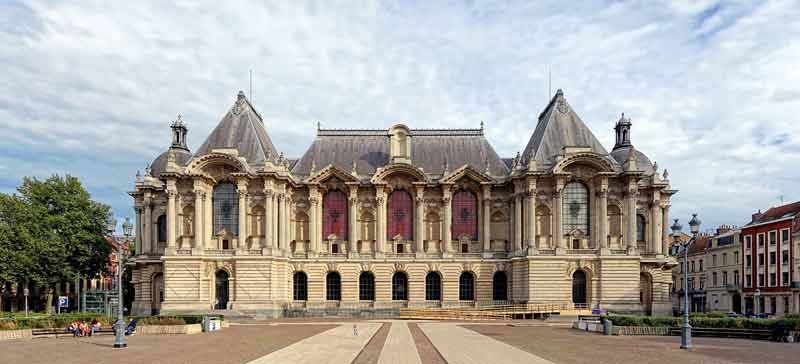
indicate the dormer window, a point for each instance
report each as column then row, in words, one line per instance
column 400, row 144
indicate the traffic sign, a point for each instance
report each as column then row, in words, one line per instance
column 63, row 301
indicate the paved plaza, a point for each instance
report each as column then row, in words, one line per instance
column 394, row 342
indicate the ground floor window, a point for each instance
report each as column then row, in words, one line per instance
column 466, row 287
column 400, row 287
column 500, row 286
column 366, row 286
column 300, row 286
column 333, row 291
column 433, row 287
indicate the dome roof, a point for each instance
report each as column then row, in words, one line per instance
column 159, row 164
column 642, row 162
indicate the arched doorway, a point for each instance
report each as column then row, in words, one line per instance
column 737, row 303
column 579, row 287
column 157, row 293
column 221, row 298
column 646, row 293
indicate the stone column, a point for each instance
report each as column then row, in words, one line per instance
column 380, row 222
column 419, row 225
column 242, row 237
column 518, row 223
column 530, row 220
column 285, row 221
column 486, row 232
column 664, row 224
column 630, row 205
column 198, row 219
column 148, row 225
column 139, row 223
column 447, row 231
column 313, row 199
column 171, row 215
column 208, row 219
column 602, row 211
column 268, row 242
column 656, row 223
column 352, row 222
column 558, row 235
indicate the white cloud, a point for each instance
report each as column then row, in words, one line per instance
column 90, row 88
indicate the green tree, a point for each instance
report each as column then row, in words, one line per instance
column 57, row 233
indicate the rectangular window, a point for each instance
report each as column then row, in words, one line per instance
column 714, row 260
column 748, row 281
column 772, row 258
column 748, row 261
column 784, row 236
column 692, row 270
column 760, row 240
column 714, row 279
column 773, row 237
column 724, row 259
column 724, row 278
column 773, row 301
column 736, row 257
column 760, row 258
column 785, row 257
column 761, row 279
column 785, row 278
column 748, row 242
column 702, row 282
column 736, row 277
column 701, row 265
column 772, row 277
column 785, row 304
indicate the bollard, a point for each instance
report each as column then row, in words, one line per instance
column 355, row 330
column 607, row 326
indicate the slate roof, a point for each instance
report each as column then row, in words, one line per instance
column 642, row 162
column 779, row 212
column 699, row 244
column 430, row 148
column 241, row 128
column 558, row 127
column 182, row 157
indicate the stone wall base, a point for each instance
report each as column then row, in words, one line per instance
column 15, row 334
column 169, row 329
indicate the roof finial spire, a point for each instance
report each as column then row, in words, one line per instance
column 486, row 164
column 354, row 170
column 481, row 125
column 446, row 170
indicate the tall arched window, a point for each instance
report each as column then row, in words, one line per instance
column 575, row 208
column 226, row 208
column 161, row 224
column 400, row 286
column 366, row 286
column 579, row 287
column 400, row 215
column 500, row 286
column 433, row 286
column 641, row 227
column 465, row 214
column 466, row 287
column 300, row 288
column 333, row 287
column 334, row 215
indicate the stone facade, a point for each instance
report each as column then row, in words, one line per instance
column 238, row 226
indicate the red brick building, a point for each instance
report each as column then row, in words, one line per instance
column 769, row 265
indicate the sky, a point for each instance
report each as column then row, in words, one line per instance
column 89, row 88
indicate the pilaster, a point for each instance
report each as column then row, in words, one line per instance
column 530, row 219
column 487, row 221
column 447, row 231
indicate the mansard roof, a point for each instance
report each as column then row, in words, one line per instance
column 558, row 127
column 241, row 128
column 431, row 150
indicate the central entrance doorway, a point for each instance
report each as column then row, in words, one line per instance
column 221, row 299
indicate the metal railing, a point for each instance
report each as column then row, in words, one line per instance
column 495, row 312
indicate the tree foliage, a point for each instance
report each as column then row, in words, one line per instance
column 51, row 231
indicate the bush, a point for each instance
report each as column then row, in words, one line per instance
column 162, row 320
column 704, row 322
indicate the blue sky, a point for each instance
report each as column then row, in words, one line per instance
column 713, row 88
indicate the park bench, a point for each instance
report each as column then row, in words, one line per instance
column 58, row 332
column 759, row 334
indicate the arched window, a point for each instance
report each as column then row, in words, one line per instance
column 575, row 208
column 641, row 227
column 579, row 287
column 226, row 208
column 500, row 286
column 366, row 286
column 221, row 287
column 466, row 287
column 161, row 224
column 300, row 286
column 334, row 215
column 400, row 215
column 333, row 287
column 400, row 286
column 465, row 214
column 433, row 286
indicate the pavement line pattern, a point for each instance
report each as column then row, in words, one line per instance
column 463, row 346
column 399, row 347
column 337, row 345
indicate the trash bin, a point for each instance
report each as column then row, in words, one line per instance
column 211, row 323
column 607, row 325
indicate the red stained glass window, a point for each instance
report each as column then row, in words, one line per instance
column 334, row 214
column 465, row 216
column 400, row 215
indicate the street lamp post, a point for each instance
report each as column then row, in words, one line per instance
column 686, row 329
column 119, row 340
column 757, row 295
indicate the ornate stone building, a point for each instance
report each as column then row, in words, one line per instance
column 369, row 221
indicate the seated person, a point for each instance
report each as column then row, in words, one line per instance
column 131, row 329
column 96, row 326
column 74, row 328
column 83, row 328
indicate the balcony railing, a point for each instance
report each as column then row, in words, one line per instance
column 219, row 252
column 733, row 287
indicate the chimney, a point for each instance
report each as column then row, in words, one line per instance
column 757, row 215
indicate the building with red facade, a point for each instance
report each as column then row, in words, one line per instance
column 770, row 264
